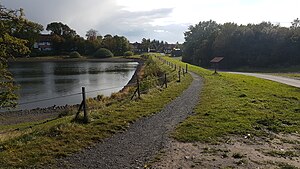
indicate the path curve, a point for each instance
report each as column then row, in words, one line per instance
column 284, row 80
column 142, row 141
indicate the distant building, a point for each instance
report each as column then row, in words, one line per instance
column 136, row 47
column 164, row 48
column 176, row 52
column 169, row 48
column 44, row 43
column 152, row 50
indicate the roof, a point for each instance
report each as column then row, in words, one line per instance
column 45, row 38
column 216, row 59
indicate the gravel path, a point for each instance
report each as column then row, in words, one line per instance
column 284, row 80
column 144, row 138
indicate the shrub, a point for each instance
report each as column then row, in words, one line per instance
column 74, row 55
column 128, row 53
column 103, row 53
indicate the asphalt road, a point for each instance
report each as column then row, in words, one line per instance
column 284, row 80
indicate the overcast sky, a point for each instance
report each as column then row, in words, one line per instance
column 156, row 19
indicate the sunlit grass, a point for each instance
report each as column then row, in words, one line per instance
column 289, row 75
column 273, row 69
column 240, row 105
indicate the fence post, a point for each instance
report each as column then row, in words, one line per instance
column 138, row 87
column 77, row 114
column 183, row 71
column 85, row 115
column 186, row 68
column 166, row 81
column 179, row 75
column 175, row 67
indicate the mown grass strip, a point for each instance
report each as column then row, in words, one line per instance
column 239, row 105
column 62, row 137
column 288, row 75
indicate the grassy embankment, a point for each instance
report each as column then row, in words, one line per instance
column 273, row 69
column 240, row 105
column 43, row 143
column 289, row 75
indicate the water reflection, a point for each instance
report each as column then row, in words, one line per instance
column 40, row 80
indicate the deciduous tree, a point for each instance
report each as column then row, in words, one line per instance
column 11, row 21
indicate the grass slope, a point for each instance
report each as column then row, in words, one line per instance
column 240, row 105
column 294, row 75
column 43, row 143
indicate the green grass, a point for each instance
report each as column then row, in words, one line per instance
column 289, row 75
column 273, row 69
column 239, row 105
column 59, row 138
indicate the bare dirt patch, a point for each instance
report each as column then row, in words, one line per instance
column 276, row 151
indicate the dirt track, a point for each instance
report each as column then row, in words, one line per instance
column 143, row 140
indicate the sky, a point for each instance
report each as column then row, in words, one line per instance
column 165, row 20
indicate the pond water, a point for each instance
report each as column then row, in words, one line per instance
column 44, row 84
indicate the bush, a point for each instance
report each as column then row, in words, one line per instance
column 128, row 53
column 74, row 55
column 103, row 53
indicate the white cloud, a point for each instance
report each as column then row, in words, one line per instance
column 239, row 11
column 160, row 31
column 159, row 19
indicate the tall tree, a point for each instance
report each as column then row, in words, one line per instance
column 11, row 21
column 295, row 24
column 199, row 42
column 60, row 29
column 91, row 34
column 253, row 45
column 118, row 45
column 145, row 45
column 63, row 37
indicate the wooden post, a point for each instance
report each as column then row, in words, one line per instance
column 216, row 64
column 138, row 87
column 175, row 67
column 85, row 115
column 183, row 71
column 77, row 114
column 166, row 81
column 179, row 75
column 186, row 68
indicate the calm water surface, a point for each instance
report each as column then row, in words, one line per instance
column 47, row 80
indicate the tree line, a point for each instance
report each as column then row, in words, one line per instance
column 156, row 45
column 66, row 40
column 14, row 28
column 252, row 45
